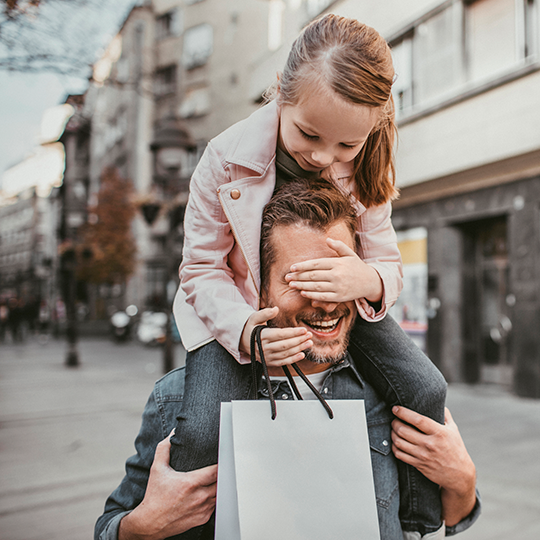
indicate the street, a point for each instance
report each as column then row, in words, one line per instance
column 65, row 434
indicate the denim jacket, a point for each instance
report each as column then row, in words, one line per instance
column 342, row 382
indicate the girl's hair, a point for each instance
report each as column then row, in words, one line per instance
column 355, row 62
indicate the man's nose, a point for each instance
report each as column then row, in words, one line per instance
column 325, row 306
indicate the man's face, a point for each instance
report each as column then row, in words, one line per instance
column 330, row 323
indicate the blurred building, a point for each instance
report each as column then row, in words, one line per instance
column 468, row 165
column 468, row 95
column 25, row 253
column 119, row 104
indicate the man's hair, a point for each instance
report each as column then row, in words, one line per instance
column 318, row 204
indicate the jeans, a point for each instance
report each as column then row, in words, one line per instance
column 398, row 370
column 403, row 375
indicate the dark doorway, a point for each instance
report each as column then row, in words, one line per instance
column 487, row 325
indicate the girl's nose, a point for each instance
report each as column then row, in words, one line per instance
column 322, row 159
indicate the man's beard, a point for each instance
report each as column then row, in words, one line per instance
column 316, row 354
column 319, row 358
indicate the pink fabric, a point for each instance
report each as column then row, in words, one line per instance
column 219, row 274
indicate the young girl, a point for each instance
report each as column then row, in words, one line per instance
column 332, row 116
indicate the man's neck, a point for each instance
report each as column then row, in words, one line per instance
column 307, row 366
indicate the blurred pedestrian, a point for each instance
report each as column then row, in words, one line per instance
column 4, row 315
column 15, row 318
column 44, row 320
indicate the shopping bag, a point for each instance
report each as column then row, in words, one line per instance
column 300, row 474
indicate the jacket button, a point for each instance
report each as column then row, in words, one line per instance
column 235, row 194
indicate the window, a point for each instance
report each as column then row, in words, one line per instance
column 275, row 24
column 165, row 81
column 402, row 87
column 491, row 37
column 437, row 50
column 195, row 103
column 155, row 283
column 169, row 24
column 461, row 45
column 198, row 45
column 532, row 22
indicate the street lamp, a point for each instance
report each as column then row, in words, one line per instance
column 171, row 149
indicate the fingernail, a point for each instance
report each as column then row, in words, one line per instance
column 293, row 268
column 395, row 409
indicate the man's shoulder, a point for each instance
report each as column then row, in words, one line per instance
column 171, row 386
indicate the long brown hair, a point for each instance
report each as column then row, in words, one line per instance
column 355, row 62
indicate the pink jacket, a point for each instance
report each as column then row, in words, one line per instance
column 219, row 274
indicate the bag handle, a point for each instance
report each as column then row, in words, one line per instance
column 256, row 339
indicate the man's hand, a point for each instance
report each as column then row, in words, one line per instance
column 174, row 502
column 439, row 453
column 336, row 279
column 281, row 346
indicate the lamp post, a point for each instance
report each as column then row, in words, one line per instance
column 171, row 150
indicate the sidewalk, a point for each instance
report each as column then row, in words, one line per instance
column 65, row 435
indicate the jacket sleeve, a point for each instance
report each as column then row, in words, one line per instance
column 205, row 275
column 468, row 521
column 377, row 246
column 131, row 490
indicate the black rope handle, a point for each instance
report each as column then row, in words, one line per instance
column 290, row 378
column 256, row 339
column 315, row 391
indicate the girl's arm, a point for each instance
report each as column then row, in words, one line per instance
column 208, row 281
column 205, row 275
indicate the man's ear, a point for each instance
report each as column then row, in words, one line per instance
column 263, row 300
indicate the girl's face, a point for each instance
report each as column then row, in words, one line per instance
column 323, row 129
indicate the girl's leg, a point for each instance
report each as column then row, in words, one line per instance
column 403, row 375
column 212, row 376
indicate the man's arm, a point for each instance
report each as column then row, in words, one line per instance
column 439, row 453
column 174, row 502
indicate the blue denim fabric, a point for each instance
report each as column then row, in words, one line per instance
column 399, row 371
column 213, row 376
column 403, row 375
column 159, row 418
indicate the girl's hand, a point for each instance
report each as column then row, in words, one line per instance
column 281, row 346
column 336, row 279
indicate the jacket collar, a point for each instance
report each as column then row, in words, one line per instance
column 256, row 143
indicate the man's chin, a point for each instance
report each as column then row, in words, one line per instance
column 320, row 356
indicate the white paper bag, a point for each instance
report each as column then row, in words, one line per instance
column 300, row 476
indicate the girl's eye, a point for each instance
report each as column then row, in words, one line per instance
column 308, row 137
column 349, row 145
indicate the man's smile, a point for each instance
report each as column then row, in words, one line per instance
column 325, row 326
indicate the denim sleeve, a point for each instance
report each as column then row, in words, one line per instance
column 467, row 522
column 131, row 490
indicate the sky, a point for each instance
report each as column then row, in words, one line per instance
column 24, row 97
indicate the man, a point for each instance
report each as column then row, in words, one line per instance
column 156, row 502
